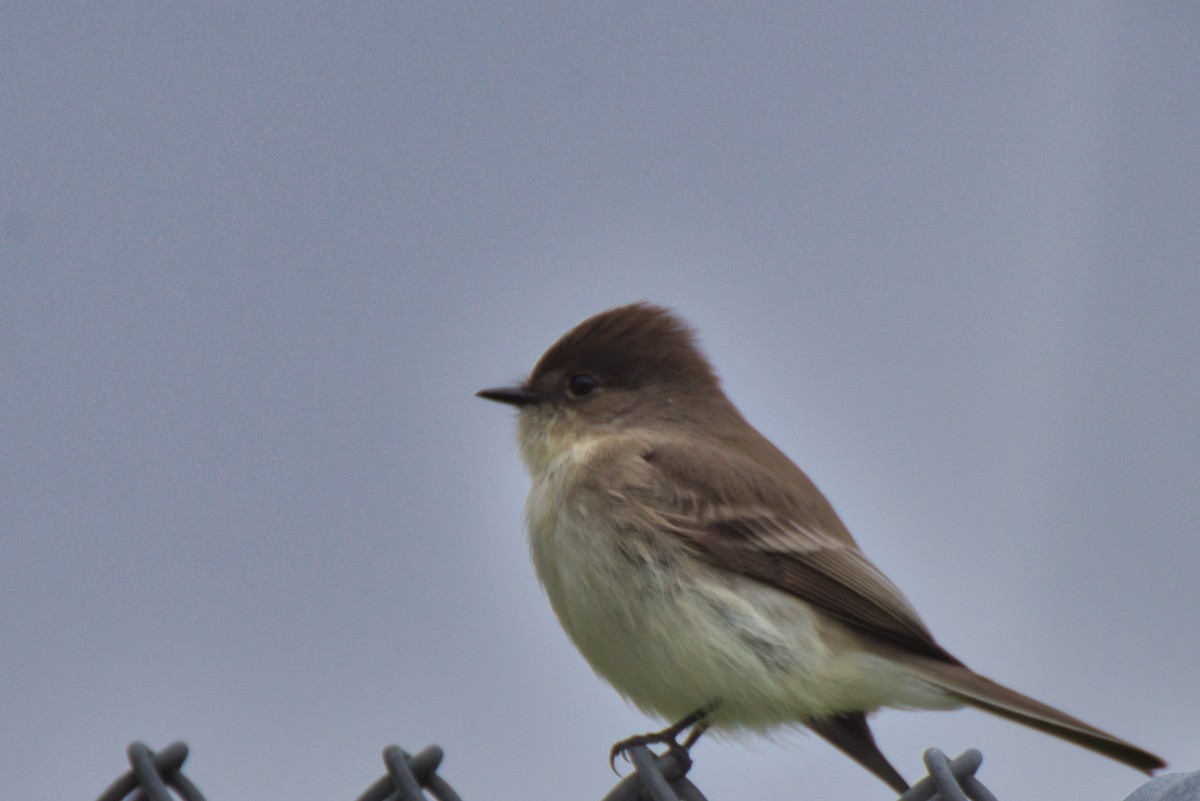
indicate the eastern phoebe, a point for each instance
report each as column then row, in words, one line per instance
column 703, row 575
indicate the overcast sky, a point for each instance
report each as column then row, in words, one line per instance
column 256, row 259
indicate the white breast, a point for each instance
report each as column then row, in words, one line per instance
column 674, row 634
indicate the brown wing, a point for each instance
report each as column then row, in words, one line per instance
column 796, row 545
column 735, row 517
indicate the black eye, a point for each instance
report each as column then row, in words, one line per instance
column 582, row 384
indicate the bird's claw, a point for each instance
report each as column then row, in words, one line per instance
column 667, row 738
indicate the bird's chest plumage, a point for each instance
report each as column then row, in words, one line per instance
column 602, row 579
column 670, row 632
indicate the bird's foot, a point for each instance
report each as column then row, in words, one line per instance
column 668, row 737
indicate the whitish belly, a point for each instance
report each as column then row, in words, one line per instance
column 674, row 634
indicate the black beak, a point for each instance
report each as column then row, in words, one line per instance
column 513, row 396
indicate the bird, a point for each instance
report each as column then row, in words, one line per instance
column 703, row 575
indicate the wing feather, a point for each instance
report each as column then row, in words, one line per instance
column 796, row 545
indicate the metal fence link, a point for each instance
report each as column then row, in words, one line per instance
column 151, row 774
column 656, row 778
column 409, row 776
column 950, row 780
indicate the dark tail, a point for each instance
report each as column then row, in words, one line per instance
column 986, row 694
column 851, row 735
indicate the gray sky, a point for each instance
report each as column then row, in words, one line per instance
column 255, row 260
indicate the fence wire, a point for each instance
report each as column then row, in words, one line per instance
column 153, row 776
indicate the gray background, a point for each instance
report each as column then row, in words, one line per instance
column 256, row 260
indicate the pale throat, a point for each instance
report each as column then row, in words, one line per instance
column 549, row 442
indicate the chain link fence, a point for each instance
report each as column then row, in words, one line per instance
column 159, row 777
